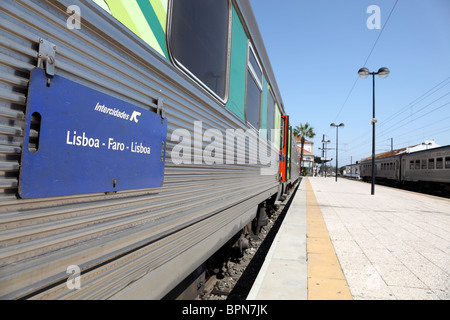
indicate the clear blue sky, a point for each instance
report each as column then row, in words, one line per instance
column 316, row 48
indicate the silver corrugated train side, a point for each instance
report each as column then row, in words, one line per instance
column 135, row 244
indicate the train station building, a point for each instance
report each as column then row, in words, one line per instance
column 308, row 155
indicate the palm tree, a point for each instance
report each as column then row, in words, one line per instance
column 304, row 131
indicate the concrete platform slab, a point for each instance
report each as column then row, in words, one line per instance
column 340, row 242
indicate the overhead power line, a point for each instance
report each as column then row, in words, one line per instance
column 416, row 101
column 381, row 32
column 367, row 59
column 363, row 139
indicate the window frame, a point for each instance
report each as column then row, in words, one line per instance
column 251, row 51
column 417, row 165
column 271, row 94
column 431, row 163
column 179, row 66
column 259, row 83
column 424, row 164
column 439, row 163
column 447, row 162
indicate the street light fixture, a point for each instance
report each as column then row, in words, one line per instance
column 337, row 139
column 382, row 73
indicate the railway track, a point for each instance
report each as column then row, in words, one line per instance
column 241, row 267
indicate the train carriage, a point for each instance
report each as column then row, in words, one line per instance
column 387, row 168
column 426, row 170
column 136, row 138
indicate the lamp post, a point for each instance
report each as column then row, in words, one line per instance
column 363, row 74
column 337, row 139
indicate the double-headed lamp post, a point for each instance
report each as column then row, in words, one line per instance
column 337, row 139
column 382, row 73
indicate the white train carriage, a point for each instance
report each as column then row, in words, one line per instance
column 431, row 167
column 426, row 170
column 353, row 171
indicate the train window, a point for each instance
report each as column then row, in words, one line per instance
column 254, row 91
column 411, row 165
column 198, row 41
column 254, row 65
column 270, row 116
column 417, row 165
column 430, row 163
column 424, row 164
column 447, row 162
column 439, row 163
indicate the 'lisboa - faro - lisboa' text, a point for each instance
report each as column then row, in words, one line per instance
column 85, row 141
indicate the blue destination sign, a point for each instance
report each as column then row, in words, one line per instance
column 80, row 141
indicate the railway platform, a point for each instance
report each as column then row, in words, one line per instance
column 339, row 242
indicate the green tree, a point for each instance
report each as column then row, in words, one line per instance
column 304, row 131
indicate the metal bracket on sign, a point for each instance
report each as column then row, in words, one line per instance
column 47, row 56
column 160, row 108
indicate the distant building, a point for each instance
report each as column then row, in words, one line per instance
column 308, row 155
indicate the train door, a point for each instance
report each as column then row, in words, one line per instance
column 289, row 147
column 402, row 170
column 397, row 170
column 283, row 147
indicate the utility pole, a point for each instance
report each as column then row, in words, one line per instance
column 323, row 151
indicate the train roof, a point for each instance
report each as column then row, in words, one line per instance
column 403, row 151
column 386, row 154
column 437, row 149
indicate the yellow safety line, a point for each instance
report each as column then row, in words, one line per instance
column 326, row 280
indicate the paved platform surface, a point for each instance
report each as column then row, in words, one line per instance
column 283, row 276
column 340, row 242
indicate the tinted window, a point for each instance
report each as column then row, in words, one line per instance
column 424, row 164
column 252, row 101
column 199, row 40
column 417, row 164
column 439, row 163
column 270, row 116
column 430, row 163
column 255, row 66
